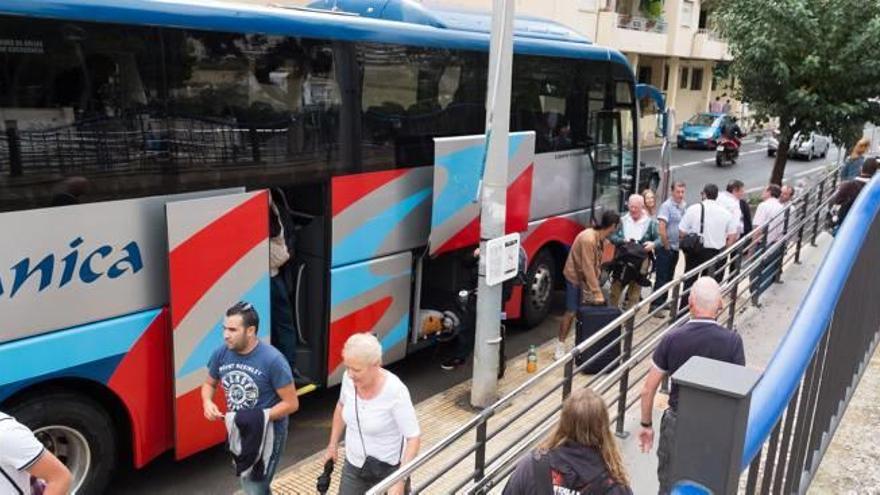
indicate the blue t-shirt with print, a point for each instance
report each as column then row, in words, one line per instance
column 250, row 381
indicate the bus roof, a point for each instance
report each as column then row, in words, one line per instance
column 401, row 22
column 436, row 14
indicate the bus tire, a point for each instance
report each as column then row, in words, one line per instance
column 78, row 431
column 538, row 289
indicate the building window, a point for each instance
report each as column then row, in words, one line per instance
column 644, row 75
column 697, row 80
column 665, row 78
column 687, row 13
column 683, row 83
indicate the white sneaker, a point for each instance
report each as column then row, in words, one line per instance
column 560, row 351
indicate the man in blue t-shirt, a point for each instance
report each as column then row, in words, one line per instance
column 254, row 375
column 668, row 217
column 701, row 336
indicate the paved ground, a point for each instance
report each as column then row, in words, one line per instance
column 209, row 472
column 441, row 414
column 852, row 462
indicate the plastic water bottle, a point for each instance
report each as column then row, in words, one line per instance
column 532, row 360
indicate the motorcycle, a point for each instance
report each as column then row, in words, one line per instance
column 727, row 152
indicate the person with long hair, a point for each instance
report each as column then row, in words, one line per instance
column 580, row 457
column 650, row 203
column 853, row 165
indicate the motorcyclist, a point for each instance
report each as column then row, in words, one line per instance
column 732, row 131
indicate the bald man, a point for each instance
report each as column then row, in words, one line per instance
column 700, row 336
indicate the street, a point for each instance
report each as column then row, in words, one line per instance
column 210, row 472
column 697, row 167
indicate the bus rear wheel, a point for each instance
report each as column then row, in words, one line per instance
column 537, row 292
column 78, row 431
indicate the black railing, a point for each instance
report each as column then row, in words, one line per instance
column 499, row 435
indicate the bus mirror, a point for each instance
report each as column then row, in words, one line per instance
column 659, row 128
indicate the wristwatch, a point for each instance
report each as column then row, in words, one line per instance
column 647, row 424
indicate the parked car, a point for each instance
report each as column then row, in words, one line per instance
column 703, row 130
column 809, row 147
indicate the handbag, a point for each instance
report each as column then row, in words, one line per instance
column 693, row 242
column 373, row 470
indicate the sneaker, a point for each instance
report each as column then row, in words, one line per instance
column 452, row 363
column 560, row 351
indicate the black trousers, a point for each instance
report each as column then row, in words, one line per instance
column 695, row 259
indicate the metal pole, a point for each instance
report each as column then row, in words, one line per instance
column 628, row 329
column 494, row 201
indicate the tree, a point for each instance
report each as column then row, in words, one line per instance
column 811, row 63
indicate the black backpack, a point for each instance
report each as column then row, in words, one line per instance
column 600, row 485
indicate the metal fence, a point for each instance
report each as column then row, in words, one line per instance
column 801, row 397
column 483, row 452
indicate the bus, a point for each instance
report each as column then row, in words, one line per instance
column 145, row 145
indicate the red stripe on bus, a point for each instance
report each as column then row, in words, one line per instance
column 197, row 263
column 349, row 189
column 361, row 320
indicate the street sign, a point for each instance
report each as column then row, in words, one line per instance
column 502, row 258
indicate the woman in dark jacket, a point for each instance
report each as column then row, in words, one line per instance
column 580, row 456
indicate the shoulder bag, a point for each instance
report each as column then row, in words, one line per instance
column 693, row 242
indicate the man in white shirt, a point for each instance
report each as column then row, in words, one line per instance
column 729, row 199
column 23, row 456
column 718, row 231
column 769, row 226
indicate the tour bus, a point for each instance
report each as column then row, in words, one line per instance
column 144, row 147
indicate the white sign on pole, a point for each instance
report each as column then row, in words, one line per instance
column 502, row 258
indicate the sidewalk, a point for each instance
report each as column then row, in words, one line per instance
column 850, row 464
column 444, row 412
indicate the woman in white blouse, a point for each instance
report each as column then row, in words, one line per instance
column 377, row 414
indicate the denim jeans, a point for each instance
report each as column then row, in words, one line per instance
column 664, row 265
column 283, row 331
column 261, row 487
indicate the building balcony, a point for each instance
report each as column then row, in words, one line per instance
column 632, row 33
column 708, row 45
column 636, row 23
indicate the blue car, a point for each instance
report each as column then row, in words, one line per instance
column 703, row 130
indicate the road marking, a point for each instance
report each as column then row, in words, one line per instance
column 710, row 160
column 799, row 174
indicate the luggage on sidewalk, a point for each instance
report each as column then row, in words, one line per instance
column 591, row 319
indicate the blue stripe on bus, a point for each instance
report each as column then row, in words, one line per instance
column 66, row 349
column 258, row 295
column 365, row 241
column 288, row 22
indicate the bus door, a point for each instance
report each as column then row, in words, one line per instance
column 218, row 252
column 607, row 161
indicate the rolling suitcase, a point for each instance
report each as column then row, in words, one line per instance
column 591, row 319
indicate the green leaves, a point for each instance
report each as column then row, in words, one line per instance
column 814, row 64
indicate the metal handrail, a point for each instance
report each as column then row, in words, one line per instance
column 724, row 261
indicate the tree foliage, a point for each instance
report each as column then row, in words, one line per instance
column 814, row 64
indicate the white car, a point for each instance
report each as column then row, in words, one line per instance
column 813, row 146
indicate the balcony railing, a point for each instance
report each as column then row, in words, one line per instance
column 711, row 34
column 641, row 24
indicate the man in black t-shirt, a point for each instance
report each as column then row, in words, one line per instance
column 700, row 336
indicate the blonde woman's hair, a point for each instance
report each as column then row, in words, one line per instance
column 363, row 348
column 645, row 194
column 584, row 420
column 860, row 148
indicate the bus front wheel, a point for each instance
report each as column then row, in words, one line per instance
column 78, row 431
column 537, row 292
